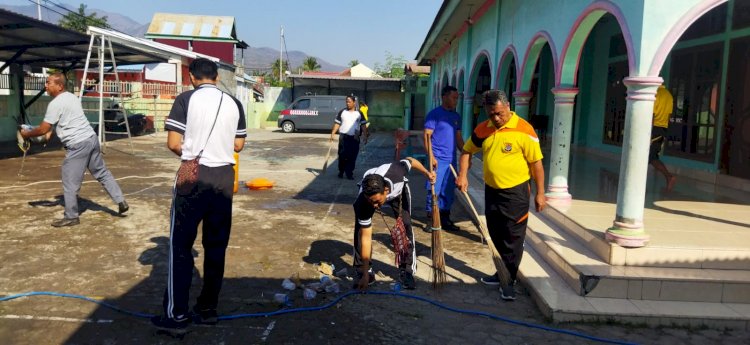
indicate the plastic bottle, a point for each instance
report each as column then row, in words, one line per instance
column 288, row 284
column 309, row 293
column 396, row 287
column 282, row 298
column 333, row 288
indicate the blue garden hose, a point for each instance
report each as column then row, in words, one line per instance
column 328, row 305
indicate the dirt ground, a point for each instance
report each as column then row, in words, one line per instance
column 304, row 220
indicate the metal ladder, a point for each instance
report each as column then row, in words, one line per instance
column 98, row 46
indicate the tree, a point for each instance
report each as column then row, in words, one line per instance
column 353, row 63
column 393, row 67
column 310, row 64
column 80, row 21
column 275, row 68
column 274, row 79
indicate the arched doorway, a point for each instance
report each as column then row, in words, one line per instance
column 507, row 74
column 708, row 74
column 479, row 82
column 542, row 102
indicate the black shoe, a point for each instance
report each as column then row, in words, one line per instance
column 508, row 293
column 491, row 280
column 205, row 317
column 407, row 280
column 122, row 207
column 66, row 222
column 448, row 225
column 171, row 326
column 358, row 276
column 341, row 174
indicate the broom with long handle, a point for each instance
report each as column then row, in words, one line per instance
column 328, row 156
column 438, row 257
column 502, row 272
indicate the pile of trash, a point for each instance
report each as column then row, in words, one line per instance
column 327, row 284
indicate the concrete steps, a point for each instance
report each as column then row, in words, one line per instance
column 701, row 280
column 588, row 275
column 717, row 241
column 560, row 303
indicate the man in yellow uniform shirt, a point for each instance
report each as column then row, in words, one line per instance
column 663, row 106
column 511, row 157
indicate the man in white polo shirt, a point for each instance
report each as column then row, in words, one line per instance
column 349, row 124
column 82, row 149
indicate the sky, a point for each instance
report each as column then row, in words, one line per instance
column 335, row 31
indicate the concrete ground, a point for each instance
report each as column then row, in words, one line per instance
column 304, row 220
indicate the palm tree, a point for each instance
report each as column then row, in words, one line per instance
column 310, row 64
column 275, row 68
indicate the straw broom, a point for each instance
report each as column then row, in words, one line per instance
column 502, row 272
column 438, row 257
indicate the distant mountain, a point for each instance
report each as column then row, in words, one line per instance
column 256, row 58
column 261, row 58
column 50, row 14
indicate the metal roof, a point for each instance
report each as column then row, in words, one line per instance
column 187, row 26
column 164, row 51
column 25, row 40
column 453, row 17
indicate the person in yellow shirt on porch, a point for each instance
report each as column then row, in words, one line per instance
column 364, row 108
column 662, row 110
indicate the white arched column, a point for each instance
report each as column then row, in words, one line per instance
column 557, row 190
column 628, row 229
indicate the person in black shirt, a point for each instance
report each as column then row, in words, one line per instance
column 384, row 184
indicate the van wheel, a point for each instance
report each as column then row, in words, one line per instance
column 287, row 126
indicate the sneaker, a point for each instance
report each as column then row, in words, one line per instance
column 171, row 326
column 407, row 280
column 508, row 293
column 205, row 317
column 490, row 280
column 122, row 207
column 358, row 276
column 66, row 222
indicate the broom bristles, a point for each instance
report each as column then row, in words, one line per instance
column 328, row 156
column 438, row 257
column 502, row 272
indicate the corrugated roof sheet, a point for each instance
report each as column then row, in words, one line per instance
column 28, row 41
column 415, row 68
column 176, row 26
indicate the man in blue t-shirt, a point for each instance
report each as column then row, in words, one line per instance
column 442, row 132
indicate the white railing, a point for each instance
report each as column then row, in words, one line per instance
column 30, row 82
column 134, row 89
column 155, row 89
